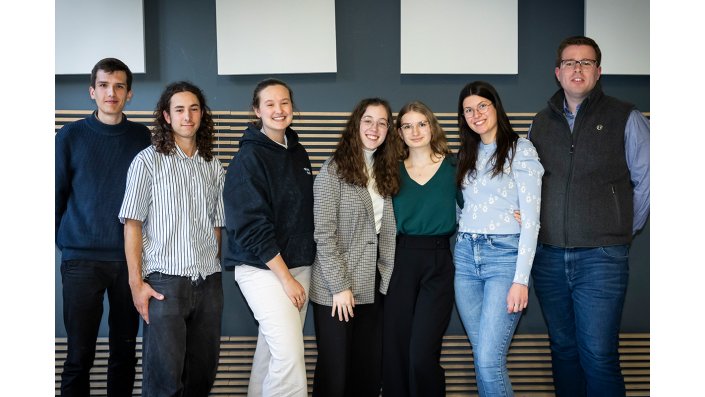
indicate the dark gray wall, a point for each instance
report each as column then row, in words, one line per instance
column 181, row 44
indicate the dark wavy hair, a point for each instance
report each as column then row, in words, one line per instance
column 350, row 159
column 470, row 140
column 110, row 65
column 256, row 99
column 439, row 143
column 163, row 135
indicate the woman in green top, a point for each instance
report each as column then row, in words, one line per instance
column 420, row 295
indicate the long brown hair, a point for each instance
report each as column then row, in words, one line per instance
column 470, row 140
column 439, row 143
column 350, row 159
column 163, row 136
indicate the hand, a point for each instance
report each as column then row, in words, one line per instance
column 295, row 291
column 517, row 216
column 517, row 298
column 141, row 293
column 344, row 302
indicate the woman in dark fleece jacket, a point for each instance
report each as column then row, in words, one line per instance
column 268, row 198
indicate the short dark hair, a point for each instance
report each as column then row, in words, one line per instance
column 258, row 89
column 578, row 40
column 163, row 136
column 110, row 65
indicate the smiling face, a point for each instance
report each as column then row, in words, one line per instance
column 481, row 117
column 374, row 126
column 415, row 130
column 110, row 94
column 578, row 81
column 275, row 109
column 184, row 116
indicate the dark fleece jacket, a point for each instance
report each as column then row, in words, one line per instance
column 268, row 197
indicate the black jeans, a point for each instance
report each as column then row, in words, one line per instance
column 84, row 285
column 182, row 341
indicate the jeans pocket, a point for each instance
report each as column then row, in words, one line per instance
column 504, row 242
column 616, row 251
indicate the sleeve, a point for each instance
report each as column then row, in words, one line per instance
column 637, row 148
column 527, row 172
column 326, row 202
column 138, row 189
column 248, row 209
column 218, row 215
column 62, row 178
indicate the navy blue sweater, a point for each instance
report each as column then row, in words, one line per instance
column 91, row 165
column 268, row 198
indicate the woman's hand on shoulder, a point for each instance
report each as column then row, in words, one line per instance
column 343, row 302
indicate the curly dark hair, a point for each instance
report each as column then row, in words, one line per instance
column 350, row 160
column 163, row 135
column 470, row 140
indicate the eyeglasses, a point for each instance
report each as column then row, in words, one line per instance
column 583, row 63
column 480, row 109
column 407, row 127
column 368, row 122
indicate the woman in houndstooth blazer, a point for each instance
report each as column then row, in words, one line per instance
column 355, row 232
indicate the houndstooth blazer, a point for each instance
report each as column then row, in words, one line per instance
column 346, row 240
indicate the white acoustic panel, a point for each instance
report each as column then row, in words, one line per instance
column 90, row 30
column 459, row 37
column 275, row 36
column 621, row 29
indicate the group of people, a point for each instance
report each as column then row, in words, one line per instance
column 367, row 241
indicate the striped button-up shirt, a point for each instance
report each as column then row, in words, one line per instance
column 179, row 200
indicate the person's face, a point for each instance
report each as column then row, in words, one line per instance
column 184, row 116
column 374, row 126
column 110, row 92
column 275, row 109
column 578, row 81
column 481, row 116
column 415, row 130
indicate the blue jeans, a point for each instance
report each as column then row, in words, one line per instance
column 182, row 341
column 581, row 292
column 84, row 285
column 484, row 271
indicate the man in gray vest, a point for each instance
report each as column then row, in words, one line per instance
column 595, row 197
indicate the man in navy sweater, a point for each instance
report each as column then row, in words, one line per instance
column 91, row 162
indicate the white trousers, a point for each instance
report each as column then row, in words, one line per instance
column 278, row 367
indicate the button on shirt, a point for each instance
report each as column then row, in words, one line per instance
column 179, row 200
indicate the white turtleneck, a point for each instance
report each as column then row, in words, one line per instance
column 377, row 199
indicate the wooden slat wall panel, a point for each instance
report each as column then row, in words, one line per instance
column 319, row 131
column 529, row 363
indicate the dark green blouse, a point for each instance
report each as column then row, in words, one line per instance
column 427, row 210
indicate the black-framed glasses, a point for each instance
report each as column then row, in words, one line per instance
column 482, row 108
column 583, row 63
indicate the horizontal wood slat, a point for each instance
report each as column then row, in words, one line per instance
column 529, row 363
column 319, row 131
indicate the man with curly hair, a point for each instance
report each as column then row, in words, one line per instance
column 91, row 160
column 173, row 214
